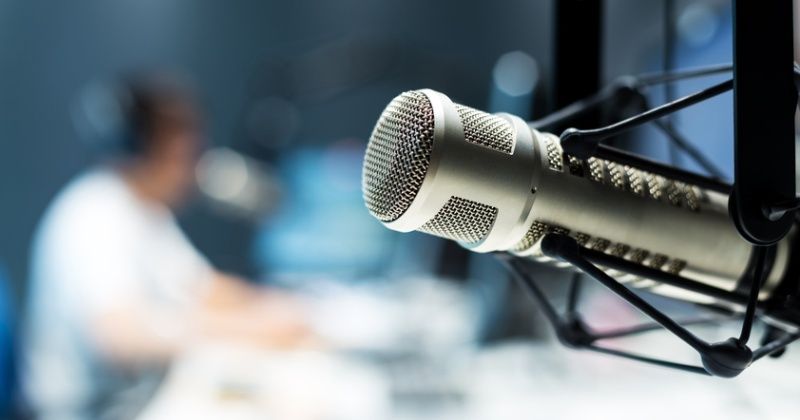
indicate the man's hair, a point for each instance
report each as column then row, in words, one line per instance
column 148, row 104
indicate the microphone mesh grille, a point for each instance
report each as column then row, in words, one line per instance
column 486, row 129
column 462, row 220
column 398, row 155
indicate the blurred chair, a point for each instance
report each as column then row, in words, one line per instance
column 7, row 348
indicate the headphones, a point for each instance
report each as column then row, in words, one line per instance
column 127, row 139
column 115, row 118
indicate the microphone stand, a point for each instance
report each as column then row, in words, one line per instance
column 762, row 200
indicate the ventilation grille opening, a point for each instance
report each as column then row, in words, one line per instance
column 486, row 130
column 462, row 220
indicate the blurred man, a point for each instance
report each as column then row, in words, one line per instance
column 117, row 289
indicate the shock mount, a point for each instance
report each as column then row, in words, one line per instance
column 762, row 200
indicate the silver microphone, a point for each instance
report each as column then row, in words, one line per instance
column 492, row 183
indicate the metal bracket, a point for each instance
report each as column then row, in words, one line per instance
column 727, row 358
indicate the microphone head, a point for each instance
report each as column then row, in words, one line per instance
column 398, row 155
column 410, row 183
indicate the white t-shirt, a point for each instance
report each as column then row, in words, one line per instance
column 98, row 245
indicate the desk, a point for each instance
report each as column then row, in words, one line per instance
column 239, row 383
column 411, row 358
column 514, row 381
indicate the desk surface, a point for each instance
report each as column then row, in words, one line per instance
column 414, row 358
column 512, row 381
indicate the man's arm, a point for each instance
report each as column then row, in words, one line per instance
column 135, row 330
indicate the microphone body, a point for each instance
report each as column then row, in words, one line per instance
column 492, row 183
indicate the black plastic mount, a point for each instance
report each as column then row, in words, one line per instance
column 727, row 358
column 764, row 103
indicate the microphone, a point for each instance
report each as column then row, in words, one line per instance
column 493, row 183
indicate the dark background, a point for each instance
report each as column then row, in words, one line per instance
column 336, row 63
column 349, row 58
